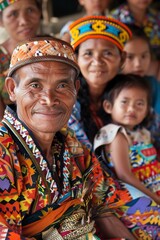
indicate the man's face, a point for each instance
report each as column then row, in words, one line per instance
column 45, row 94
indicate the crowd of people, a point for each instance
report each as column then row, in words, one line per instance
column 80, row 125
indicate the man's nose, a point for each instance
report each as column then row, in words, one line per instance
column 48, row 97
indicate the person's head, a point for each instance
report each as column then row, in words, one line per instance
column 127, row 100
column 94, row 7
column 20, row 18
column 138, row 52
column 139, row 4
column 98, row 42
column 42, row 81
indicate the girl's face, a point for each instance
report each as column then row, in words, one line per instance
column 99, row 61
column 94, row 6
column 138, row 57
column 139, row 4
column 129, row 108
column 21, row 19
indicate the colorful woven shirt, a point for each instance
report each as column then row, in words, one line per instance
column 151, row 24
column 31, row 190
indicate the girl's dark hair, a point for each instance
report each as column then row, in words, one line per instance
column 138, row 32
column 121, row 81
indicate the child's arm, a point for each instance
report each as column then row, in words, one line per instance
column 119, row 150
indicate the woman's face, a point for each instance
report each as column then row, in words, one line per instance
column 21, row 19
column 99, row 61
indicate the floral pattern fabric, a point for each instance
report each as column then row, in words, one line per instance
column 151, row 24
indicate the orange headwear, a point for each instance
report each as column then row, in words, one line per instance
column 42, row 49
column 99, row 27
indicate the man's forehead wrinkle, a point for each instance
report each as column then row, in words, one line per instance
column 47, row 68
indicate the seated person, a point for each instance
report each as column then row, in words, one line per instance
column 138, row 61
column 51, row 187
column 125, row 142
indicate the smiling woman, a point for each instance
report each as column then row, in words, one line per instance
column 21, row 21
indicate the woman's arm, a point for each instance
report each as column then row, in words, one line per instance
column 119, row 150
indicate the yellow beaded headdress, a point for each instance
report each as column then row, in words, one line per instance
column 42, row 49
column 6, row 3
column 99, row 27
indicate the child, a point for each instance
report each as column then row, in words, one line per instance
column 138, row 61
column 125, row 142
column 91, row 7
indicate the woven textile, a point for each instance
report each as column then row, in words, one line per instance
column 42, row 49
column 99, row 27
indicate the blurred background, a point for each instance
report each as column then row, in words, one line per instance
column 57, row 12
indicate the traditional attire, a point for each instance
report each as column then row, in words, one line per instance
column 142, row 154
column 35, row 197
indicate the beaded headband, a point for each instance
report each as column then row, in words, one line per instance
column 42, row 49
column 99, row 27
column 6, row 3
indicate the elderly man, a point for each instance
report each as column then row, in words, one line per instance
column 50, row 186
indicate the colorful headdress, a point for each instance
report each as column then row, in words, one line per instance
column 6, row 3
column 42, row 49
column 99, row 27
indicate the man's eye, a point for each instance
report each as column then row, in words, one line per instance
column 35, row 85
column 62, row 85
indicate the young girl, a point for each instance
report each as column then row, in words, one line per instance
column 125, row 143
column 138, row 61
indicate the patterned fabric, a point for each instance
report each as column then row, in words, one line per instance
column 143, row 155
column 136, row 214
column 6, row 3
column 42, row 49
column 99, row 27
column 30, row 189
column 151, row 24
column 4, row 65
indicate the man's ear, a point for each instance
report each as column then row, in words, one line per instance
column 10, row 85
column 107, row 106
